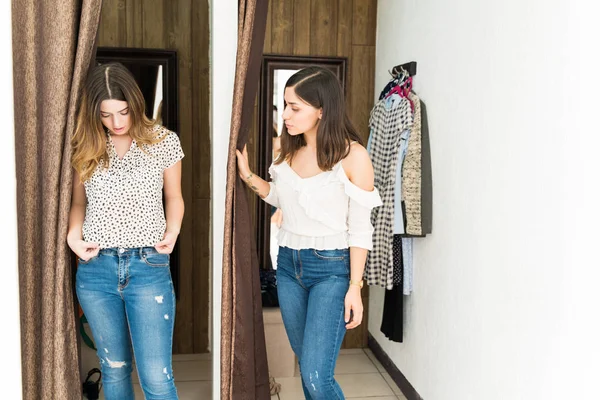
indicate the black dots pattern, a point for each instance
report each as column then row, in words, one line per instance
column 124, row 201
column 398, row 261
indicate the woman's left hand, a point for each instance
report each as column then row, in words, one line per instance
column 166, row 245
column 353, row 303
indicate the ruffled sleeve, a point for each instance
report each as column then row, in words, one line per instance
column 272, row 197
column 361, row 202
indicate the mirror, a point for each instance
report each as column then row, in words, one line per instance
column 155, row 72
column 275, row 72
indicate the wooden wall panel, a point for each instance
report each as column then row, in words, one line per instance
column 180, row 25
column 153, row 23
column 364, row 22
column 201, row 149
column 109, row 18
column 282, row 26
column 301, row 27
column 345, row 28
column 133, row 24
column 323, row 21
column 362, row 65
column 268, row 30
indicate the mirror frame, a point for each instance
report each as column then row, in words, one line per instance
column 270, row 63
column 170, row 110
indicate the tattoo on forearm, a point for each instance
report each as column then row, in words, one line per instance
column 249, row 183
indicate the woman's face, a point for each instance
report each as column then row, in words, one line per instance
column 115, row 115
column 299, row 116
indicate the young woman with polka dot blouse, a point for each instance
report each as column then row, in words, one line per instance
column 123, row 164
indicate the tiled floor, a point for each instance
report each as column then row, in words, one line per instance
column 193, row 375
column 359, row 374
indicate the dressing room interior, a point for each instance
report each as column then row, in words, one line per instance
column 485, row 227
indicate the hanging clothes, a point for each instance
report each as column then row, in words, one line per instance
column 389, row 118
column 417, row 182
column 411, row 173
column 392, row 323
column 398, row 261
column 400, row 150
column 426, row 180
column 399, row 225
column 407, row 265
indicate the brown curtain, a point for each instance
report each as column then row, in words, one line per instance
column 53, row 46
column 244, row 371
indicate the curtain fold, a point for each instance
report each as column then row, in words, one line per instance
column 244, row 371
column 53, row 47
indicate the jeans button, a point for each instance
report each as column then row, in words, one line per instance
column 121, row 250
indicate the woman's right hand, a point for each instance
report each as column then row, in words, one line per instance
column 242, row 163
column 84, row 250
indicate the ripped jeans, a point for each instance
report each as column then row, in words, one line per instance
column 128, row 298
column 312, row 286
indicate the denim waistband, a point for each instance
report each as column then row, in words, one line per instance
column 123, row 251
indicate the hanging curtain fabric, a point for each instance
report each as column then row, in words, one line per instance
column 244, row 370
column 53, row 48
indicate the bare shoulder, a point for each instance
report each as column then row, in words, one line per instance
column 358, row 167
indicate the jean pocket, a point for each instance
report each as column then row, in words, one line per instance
column 330, row 254
column 155, row 259
column 80, row 261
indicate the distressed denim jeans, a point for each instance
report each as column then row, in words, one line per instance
column 312, row 286
column 128, row 298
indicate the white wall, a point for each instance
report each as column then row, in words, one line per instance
column 10, row 368
column 223, row 47
column 505, row 302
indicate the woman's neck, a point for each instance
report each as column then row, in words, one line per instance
column 120, row 138
column 311, row 138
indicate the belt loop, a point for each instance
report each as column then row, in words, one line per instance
column 141, row 252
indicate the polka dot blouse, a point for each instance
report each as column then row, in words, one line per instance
column 124, row 201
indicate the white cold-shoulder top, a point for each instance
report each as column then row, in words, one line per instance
column 323, row 212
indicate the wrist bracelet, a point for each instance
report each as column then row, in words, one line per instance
column 359, row 283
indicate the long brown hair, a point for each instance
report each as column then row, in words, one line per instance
column 320, row 88
column 107, row 82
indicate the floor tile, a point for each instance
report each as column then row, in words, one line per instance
column 192, row 357
column 375, row 361
column 354, row 364
column 354, row 361
column 194, row 390
column 192, row 370
column 375, row 398
column 291, row 389
column 351, row 351
column 364, row 385
column 392, row 384
column 355, row 386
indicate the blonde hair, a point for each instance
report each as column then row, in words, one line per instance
column 107, row 82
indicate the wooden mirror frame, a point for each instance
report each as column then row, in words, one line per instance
column 270, row 63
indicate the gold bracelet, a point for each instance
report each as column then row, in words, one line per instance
column 359, row 283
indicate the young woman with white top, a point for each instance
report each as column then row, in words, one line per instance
column 117, row 227
column 323, row 183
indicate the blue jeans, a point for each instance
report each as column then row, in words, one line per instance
column 312, row 286
column 127, row 296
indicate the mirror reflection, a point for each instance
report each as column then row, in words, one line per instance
column 280, row 77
